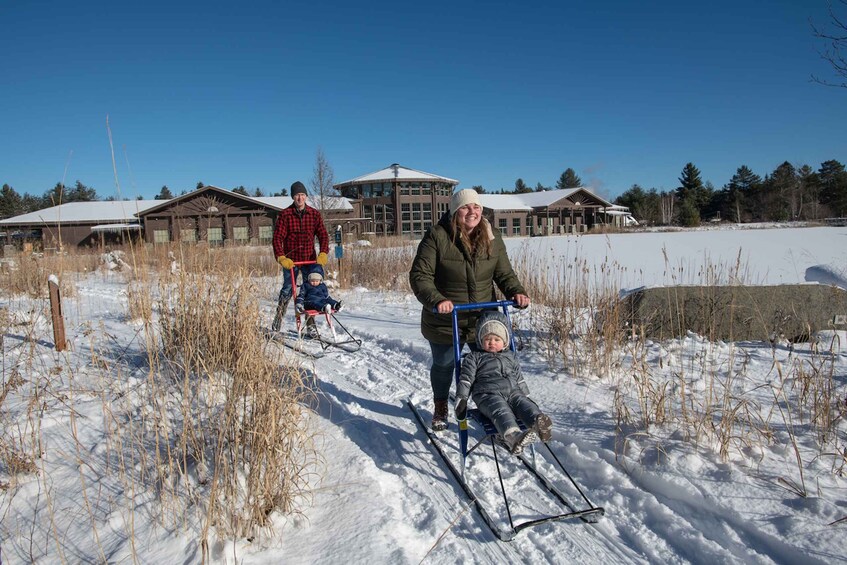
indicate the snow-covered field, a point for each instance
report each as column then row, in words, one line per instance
column 385, row 495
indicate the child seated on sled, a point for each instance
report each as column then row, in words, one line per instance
column 492, row 376
column 314, row 295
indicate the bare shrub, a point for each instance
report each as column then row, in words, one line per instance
column 228, row 417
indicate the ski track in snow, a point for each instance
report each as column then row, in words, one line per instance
column 648, row 518
column 369, row 407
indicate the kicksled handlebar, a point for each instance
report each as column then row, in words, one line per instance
column 479, row 306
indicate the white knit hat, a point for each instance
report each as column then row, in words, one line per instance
column 492, row 326
column 463, row 198
column 315, row 276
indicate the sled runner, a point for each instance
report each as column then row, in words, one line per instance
column 308, row 334
column 486, row 433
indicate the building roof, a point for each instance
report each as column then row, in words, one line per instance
column 330, row 202
column 85, row 212
column 125, row 211
column 275, row 202
column 397, row 172
column 529, row 200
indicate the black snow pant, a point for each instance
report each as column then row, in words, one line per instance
column 504, row 410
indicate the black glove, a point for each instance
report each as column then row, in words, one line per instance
column 462, row 409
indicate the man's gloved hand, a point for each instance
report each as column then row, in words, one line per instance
column 462, row 409
column 285, row 262
column 321, row 260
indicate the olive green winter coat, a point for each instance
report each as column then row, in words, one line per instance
column 443, row 270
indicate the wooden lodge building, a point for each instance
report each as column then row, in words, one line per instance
column 395, row 200
column 399, row 200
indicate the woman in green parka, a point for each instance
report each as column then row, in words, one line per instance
column 459, row 260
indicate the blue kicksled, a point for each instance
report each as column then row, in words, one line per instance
column 590, row 513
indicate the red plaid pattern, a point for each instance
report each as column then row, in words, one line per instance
column 294, row 234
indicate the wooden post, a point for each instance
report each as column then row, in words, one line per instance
column 56, row 312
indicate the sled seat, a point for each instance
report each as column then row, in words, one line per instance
column 486, row 424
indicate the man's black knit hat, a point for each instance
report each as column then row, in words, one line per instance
column 297, row 188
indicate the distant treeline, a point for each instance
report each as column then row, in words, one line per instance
column 787, row 193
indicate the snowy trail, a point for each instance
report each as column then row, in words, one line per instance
column 363, row 394
column 650, row 517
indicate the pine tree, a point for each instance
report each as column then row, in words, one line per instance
column 521, row 187
column 738, row 191
column 478, row 188
column 693, row 190
column 833, row 186
column 53, row 197
column 11, row 203
column 241, row 190
column 258, row 193
column 164, row 194
column 569, row 179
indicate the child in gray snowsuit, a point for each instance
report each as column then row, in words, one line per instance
column 493, row 377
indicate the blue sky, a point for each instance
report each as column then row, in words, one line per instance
column 484, row 92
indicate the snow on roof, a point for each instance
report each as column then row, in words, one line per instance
column 529, row 200
column 83, row 212
column 330, row 202
column 398, row 172
column 115, row 227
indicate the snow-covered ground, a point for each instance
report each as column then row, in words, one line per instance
column 385, row 495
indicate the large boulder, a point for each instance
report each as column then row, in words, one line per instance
column 736, row 313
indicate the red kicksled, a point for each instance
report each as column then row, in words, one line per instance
column 336, row 336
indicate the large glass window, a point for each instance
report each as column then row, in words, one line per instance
column 215, row 236
column 161, row 236
column 502, row 223
column 188, row 236
column 427, row 211
column 266, row 234
column 405, row 212
column 516, row 226
column 240, row 233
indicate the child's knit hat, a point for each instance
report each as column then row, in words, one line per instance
column 492, row 323
column 316, row 276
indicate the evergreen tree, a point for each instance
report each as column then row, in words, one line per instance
column 164, row 194
column 31, row 203
column 54, row 197
column 809, row 193
column 833, row 187
column 693, row 190
column 11, row 203
column 645, row 206
column 478, row 188
column 241, row 190
column 782, row 187
column 521, row 187
column 569, row 179
column 737, row 192
column 81, row 193
column 539, row 187
column 258, row 193
column 689, row 215
column 200, row 184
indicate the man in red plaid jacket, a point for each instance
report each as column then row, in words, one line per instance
column 294, row 241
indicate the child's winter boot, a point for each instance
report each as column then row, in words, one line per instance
column 543, row 427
